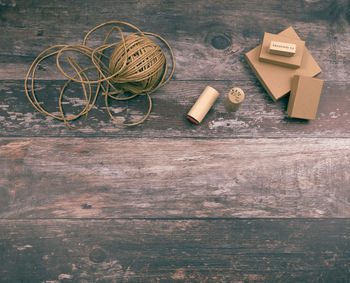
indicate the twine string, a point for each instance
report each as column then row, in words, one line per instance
column 137, row 66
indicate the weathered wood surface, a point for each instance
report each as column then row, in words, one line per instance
column 157, row 178
column 249, row 250
column 156, row 202
column 258, row 115
column 209, row 38
column 209, row 48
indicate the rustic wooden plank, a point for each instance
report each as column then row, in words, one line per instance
column 170, row 198
column 209, row 39
column 258, row 116
column 118, row 178
column 251, row 250
column 220, row 42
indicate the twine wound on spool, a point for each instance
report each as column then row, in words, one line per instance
column 137, row 65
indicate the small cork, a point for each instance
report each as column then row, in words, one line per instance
column 234, row 99
column 282, row 48
column 203, row 104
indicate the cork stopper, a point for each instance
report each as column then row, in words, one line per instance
column 203, row 104
column 234, row 99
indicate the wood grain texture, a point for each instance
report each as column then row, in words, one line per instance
column 167, row 201
column 209, row 45
column 258, row 115
column 250, row 250
column 209, row 39
column 156, row 178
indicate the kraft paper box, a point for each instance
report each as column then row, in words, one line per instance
column 304, row 97
column 276, row 79
column 293, row 62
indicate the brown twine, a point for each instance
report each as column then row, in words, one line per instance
column 137, row 65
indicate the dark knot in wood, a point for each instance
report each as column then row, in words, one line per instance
column 97, row 255
column 221, row 41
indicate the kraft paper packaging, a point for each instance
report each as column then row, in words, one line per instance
column 304, row 97
column 293, row 62
column 277, row 79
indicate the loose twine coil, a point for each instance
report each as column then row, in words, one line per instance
column 137, row 65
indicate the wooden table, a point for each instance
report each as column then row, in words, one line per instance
column 243, row 197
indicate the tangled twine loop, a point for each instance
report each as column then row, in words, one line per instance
column 137, row 65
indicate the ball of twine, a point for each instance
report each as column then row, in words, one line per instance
column 137, row 65
column 144, row 66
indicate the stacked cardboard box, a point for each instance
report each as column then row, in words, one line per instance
column 277, row 72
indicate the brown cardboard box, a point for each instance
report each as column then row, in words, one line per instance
column 289, row 62
column 276, row 79
column 304, row 97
